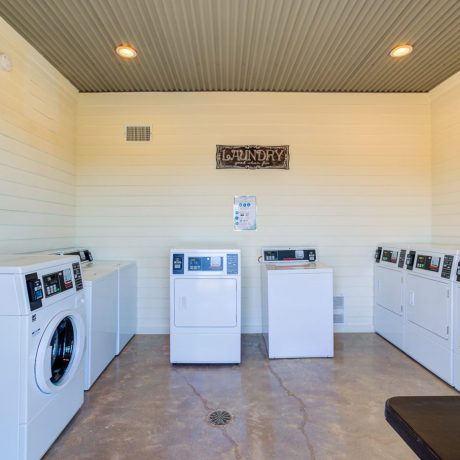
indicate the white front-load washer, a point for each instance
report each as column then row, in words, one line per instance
column 429, row 294
column 297, row 304
column 42, row 339
column 205, row 306
column 389, row 280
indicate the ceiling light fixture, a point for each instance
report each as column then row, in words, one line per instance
column 401, row 50
column 126, row 51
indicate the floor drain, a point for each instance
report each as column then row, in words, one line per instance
column 219, row 417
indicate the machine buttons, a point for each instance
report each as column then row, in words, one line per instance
column 178, row 264
column 77, row 276
column 390, row 256
column 410, row 260
column 402, row 257
column 34, row 290
column 232, row 264
column 447, row 267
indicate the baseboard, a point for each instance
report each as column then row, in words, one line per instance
column 340, row 328
column 353, row 328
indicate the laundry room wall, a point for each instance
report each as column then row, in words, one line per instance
column 445, row 116
column 360, row 173
column 37, row 155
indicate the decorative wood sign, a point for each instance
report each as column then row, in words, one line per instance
column 252, row 157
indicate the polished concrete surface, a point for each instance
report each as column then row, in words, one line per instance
column 144, row 408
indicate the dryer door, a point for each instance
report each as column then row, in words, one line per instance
column 389, row 289
column 205, row 302
column 60, row 351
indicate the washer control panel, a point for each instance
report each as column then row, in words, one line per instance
column 55, row 283
column 289, row 255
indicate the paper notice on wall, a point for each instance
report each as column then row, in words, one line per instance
column 244, row 213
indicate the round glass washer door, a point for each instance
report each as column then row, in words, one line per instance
column 60, row 351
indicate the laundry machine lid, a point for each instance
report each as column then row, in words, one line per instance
column 24, row 263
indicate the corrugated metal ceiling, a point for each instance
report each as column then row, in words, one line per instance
column 244, row 45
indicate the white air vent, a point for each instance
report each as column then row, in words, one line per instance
column 339, row 309
column 138, row 133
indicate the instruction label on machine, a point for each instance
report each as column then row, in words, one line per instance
column 244, row 213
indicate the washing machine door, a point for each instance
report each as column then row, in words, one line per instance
column 60, row 351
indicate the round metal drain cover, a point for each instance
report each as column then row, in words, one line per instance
column 219, row 417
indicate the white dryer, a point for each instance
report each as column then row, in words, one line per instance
column 297, row 304
column 429, row 311
column 42, row 338
column 205, row 306
column 389, row 305
column 456, row 327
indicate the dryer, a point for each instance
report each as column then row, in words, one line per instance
column 42, row 338
column 456, row 327
column 389, row 305
column 429, row 314
column 297, row 304
column 205, row 306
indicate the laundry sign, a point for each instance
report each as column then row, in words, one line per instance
column 252, row 157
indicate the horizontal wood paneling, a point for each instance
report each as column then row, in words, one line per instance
column 445, row 120
column 360, row 173
column 37, row 151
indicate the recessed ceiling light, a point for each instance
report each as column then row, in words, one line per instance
column 401, row 50
column 126, row 51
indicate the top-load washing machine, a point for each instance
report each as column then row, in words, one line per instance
column 101, row 311
column 429, row 292
column 205, row 306
column 297, row 304
column 42, row 338
column 126, row 291
column 389, row 305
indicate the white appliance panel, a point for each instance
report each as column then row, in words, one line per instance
column 300, row 315
column 389, row 290
column 429, row 304
column 205, row 302
column 102, row 314
column 127, row 304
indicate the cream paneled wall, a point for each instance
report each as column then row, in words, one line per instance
column 37, row 155
column 360, row 173
column 445, row 121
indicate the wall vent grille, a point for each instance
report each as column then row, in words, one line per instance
column 339, row 309
column 138, row 133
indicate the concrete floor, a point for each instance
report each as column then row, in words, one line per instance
column 144, row 408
